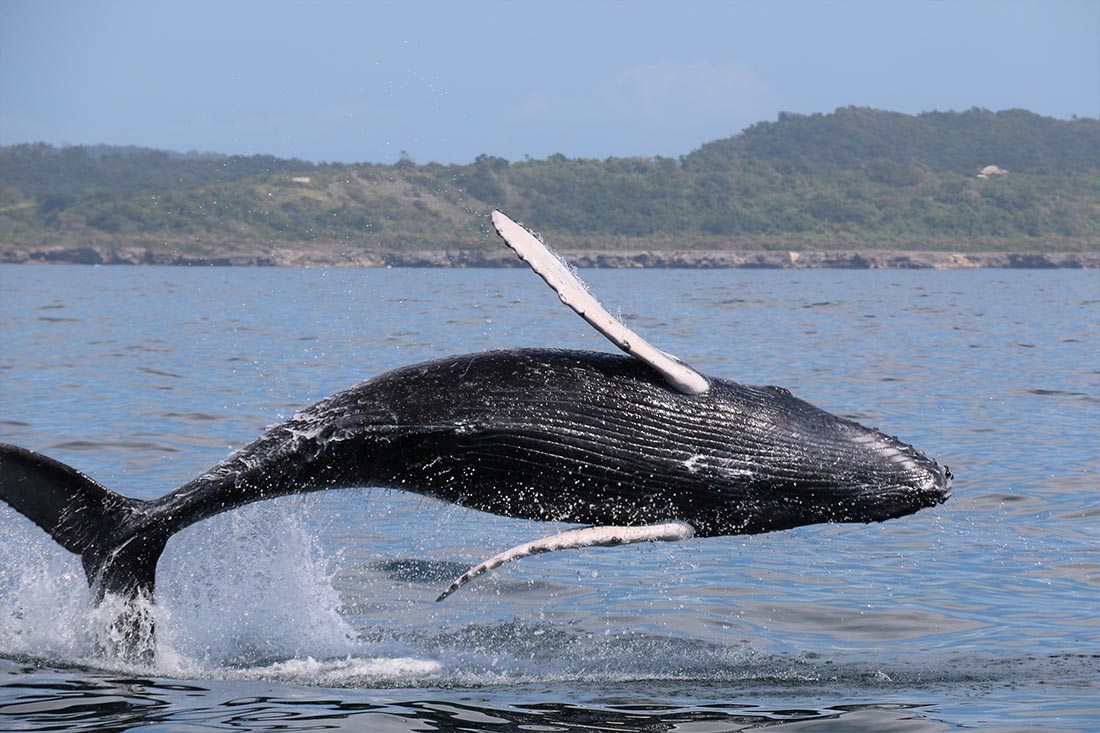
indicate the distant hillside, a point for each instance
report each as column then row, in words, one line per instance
column 853, row 179
column 40, row 169
column 942, row 142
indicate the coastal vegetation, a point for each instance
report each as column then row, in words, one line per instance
column 856, row 178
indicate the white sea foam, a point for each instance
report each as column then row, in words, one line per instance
column 249, row 584
column 344, row 672
column 43, row 595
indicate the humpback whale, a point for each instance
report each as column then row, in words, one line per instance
column 638, row 445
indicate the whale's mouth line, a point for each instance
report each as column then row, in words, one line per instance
column 571, row 539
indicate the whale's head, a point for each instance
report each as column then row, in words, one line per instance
column 787, row 463
column 732, row 460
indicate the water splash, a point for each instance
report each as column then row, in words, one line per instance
column 249, row 586
column 247, row 594
column 44, row 598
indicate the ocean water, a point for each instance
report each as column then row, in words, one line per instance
column 318, row 612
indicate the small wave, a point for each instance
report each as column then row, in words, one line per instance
column 1054, row 393
column 158, row 372
column 15, row 423
column 90, row 446
column 347, row 672
column 191, row 416
column 412, row 570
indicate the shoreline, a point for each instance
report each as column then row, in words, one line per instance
column 695, row 259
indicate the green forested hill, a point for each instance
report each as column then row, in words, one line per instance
column 942, row 142
column 40, row 169
column 855, row 178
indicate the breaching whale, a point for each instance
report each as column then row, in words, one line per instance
column 638, row 445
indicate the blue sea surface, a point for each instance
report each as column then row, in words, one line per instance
column 318, row 611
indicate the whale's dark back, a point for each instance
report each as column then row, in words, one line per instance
column 599, row 438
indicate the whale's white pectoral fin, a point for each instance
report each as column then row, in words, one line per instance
column 574, row 538
column 574, row 294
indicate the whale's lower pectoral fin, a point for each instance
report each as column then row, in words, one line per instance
column 575, row 538
column 574, row 294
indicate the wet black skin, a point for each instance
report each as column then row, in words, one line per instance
column 582, row 437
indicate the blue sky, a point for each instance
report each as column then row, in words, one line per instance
column 446, row 81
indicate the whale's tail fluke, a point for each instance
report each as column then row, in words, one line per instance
column 117, row 542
